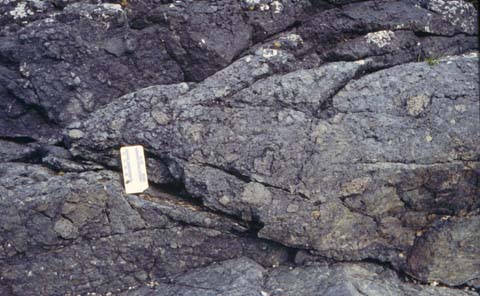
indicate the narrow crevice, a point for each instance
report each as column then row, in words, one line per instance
column 404, row 276
column 254, row 226
column 29, row 107
column 19, row 139
column 34, row 157
column 401, row 274
column 40, row 110
column 326, row 109
column 230, row 171
column 67, row 218
column 292, row 255
column 423, row 34
column 247, row 179
column 177, row 191
column 256, row 43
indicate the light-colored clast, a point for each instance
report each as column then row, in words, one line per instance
column 134, row 169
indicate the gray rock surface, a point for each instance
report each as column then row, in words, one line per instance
column 245, row 277
column 448, row 250
column 346, row 279
column 392, row 171
column 78, row 232
column 293, row 147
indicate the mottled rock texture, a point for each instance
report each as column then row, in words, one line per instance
column 293, row 147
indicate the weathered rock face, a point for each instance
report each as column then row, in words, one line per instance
column 448, row 248
column 244, row 277
column 391, row 174
column 293, row 147
column 84, row 57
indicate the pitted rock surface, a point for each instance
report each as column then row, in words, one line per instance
column 389, row 175
column 293, row 147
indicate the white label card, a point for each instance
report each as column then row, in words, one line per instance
column 134, row 169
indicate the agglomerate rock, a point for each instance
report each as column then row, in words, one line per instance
column 64, row 59
column 245, row 277
column 293, row 147
column 78, row 232
column 406, row 153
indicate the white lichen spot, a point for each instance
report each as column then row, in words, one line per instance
column 48, row 20
column 360, row 62
column 224, row 200
column 473, row 54
column 292, row 39
column 417, row 104
column 75, row 134
column 461, row 108
column 24, row 70
column 268, row 53
column 264, row 7
column 428, row 138
column 152, row 284
column 458, row 13
column 112, row 7
column 21, row 11
column 380, row 38
column 277, row 7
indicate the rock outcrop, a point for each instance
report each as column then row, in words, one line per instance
column 293, row 147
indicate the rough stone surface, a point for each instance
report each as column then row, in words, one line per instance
column 346, row 279
column 78, row 232
column 390, row 175
column 448, row 250
column 244, row 277
column 293, row 147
